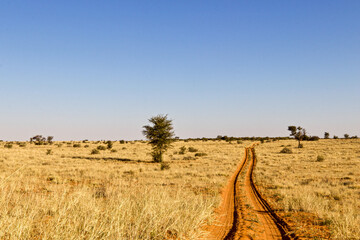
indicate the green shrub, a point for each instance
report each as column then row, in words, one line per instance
column 200, row 154
column 164, row 166
column 109, row 144
column 122, row 142
column 182, row 150
column 320, row 158
column 77, row 145
column 86, row 146
column 191, row 149
column 8, row 145
column 101, row 147
column 113, row 150
column 95, row 151
column 286, row 150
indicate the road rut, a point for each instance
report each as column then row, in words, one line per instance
column 244, row 213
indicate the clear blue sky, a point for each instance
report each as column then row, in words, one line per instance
column 100, row 69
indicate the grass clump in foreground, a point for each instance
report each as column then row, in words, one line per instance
column 286, row 150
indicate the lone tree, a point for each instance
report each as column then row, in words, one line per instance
column 160, row 134
column 298, row 133
column 326, row 135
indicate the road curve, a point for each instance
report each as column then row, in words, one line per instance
column 244, row 213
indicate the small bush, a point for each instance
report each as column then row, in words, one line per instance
column 95, row 151
column 191, row 149
column 109, row 144
column 122, row 142
column 86, row 146
column 239, row 142
column 164, row 166
column 101, row 147
column 286, row 150
column 77, row 145
column 48, row 152
column 320, row 158
column 113, row 150
column 182, row 150
column 301, row 145
column 200, row 154
column 8, row 145
column 22, row 144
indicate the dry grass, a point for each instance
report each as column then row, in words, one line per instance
column 63, row 192
column 322, row 179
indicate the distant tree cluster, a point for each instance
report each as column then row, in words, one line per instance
column 40, row 140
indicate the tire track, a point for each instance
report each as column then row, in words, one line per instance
column 244, row 213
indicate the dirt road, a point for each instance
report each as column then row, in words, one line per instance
column 244, row 213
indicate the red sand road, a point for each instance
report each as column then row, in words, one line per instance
column 242, row 201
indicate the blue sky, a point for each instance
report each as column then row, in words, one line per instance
column 100, row 69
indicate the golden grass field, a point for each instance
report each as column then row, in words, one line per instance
column 71, row 194
column 306, row 188
column 60, row 191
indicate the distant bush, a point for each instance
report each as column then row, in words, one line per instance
column 286, row 150
column 113, row 150
column 22, row 144
column 313, row 138
column 77, row 145
column 86, row 146
column 48, row 152
column 336, row 137
column 109, row 144
column 191, row 149
column 8, row 145
column 182, row 150
column 320, row 158
column 122, row 142
column 95, row 151
column 101, row 147
column 164, row 166
column 200, row 154
column 239, row 142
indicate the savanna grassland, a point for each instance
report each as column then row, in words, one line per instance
column 315, row 188
column 62, row 191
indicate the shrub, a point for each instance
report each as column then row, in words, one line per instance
column 95, row 151
column 301, row 145
column 191, row 149
column 200, row 154
column 164, row 166
column 182, row 150
column 239, row 142
column 8, row 145
column 320, row 158
column 113, row 150
column 22, row 144
column 109, row 144
column 336, row 137
column 77, row 145
column 86, row 146
column 286, row 150
column 48, row 152
column 122, row 142
column 101, row 147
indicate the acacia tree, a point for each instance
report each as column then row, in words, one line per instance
column 160, row 135
column 326, row 135
column 298, row 133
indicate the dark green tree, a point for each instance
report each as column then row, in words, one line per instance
column 160, row 135
column 346, row 136
column 326, row 135
column 298, row 133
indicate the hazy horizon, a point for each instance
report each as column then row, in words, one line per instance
column 99, row 70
